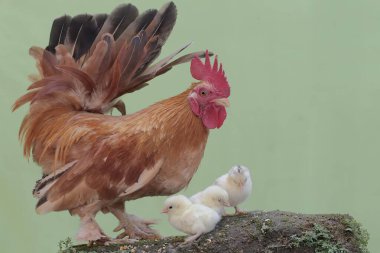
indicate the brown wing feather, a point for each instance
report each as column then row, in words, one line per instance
column 111, row 169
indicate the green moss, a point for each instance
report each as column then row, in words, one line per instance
column 359, row 233
column 266, row 226
column 257, row 222
column 318, row 238
column 66, row 246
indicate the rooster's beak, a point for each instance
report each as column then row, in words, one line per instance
column 222, row 101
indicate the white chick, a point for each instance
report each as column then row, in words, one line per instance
column 238, row 184
column 192, row 219
column 214, row 197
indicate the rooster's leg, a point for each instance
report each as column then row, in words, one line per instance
column 90, row 231
column 134, row 227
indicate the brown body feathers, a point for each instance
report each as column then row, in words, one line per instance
column 89, row 157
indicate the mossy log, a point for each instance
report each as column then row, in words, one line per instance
column 258, row 231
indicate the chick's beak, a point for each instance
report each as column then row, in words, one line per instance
column 165, row 210
column 222, row 101
column 226, row 203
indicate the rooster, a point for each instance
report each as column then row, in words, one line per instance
column 93, row 161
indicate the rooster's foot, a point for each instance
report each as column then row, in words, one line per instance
column 136, row 228
column 103, row 240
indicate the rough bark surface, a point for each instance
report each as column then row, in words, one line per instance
column 258, row 231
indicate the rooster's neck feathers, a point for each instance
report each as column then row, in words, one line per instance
column 173, row 116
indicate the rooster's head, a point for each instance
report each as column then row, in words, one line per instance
column 209, row 98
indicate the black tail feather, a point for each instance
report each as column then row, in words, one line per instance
column 58, row 32
column 166, row 18
column 100, row 19
column 41, row 201
column 81, row 34
column 159, row 28
column 139, row 24
column 121, row 18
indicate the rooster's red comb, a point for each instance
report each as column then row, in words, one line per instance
column 213, row 76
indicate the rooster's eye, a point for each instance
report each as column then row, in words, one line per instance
column 203, row 92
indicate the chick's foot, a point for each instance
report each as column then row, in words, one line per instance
column 192, row 238
column 238, row 211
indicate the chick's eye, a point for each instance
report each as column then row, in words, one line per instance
column 170, row 207
column 203, row 92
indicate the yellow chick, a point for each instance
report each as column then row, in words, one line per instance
column 192, row 219
column 238, row 184
column 214, row 197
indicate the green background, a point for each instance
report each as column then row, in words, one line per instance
column 305, row 79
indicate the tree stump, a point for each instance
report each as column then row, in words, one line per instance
column 265, row 232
